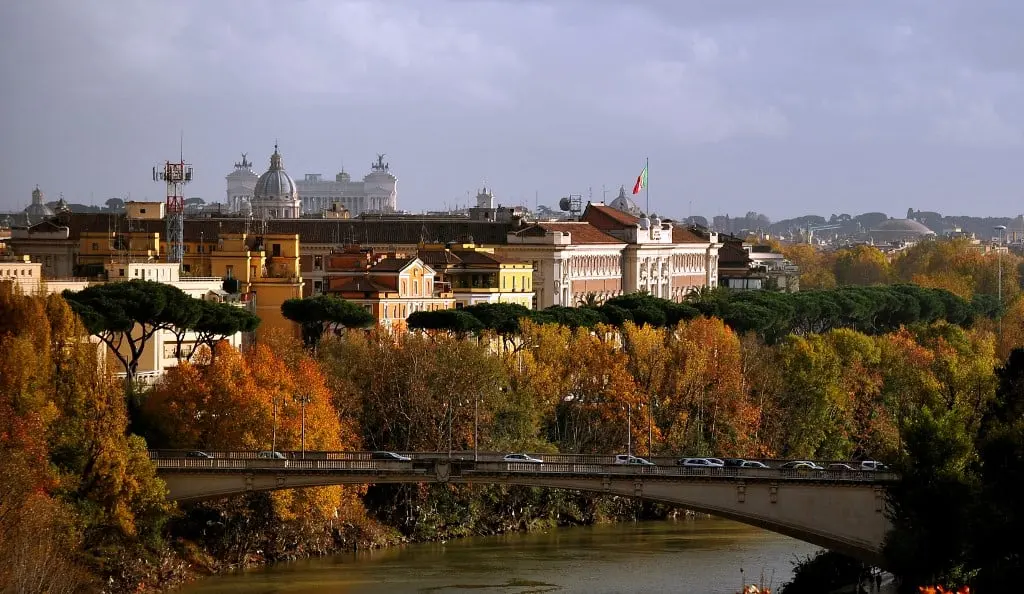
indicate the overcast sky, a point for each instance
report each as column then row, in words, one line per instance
column 780, row 107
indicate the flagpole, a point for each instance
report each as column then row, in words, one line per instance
column 647, row 186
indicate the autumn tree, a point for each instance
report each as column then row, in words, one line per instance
column 816, row 266
column 861, row 265
column 703, row 409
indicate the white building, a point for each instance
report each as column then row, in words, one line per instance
column 377, row 192
column 571, row 261
column 241, row 183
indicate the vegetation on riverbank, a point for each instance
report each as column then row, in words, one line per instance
column 84, row 504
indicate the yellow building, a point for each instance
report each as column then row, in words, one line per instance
column 477, row 275
column 389, row 286
column 266, row 268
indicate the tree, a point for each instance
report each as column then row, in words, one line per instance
column 115, row 204
column 324, row 312
column 218, row 321
column 861, row 265
column 126, row 315
column 449, row 320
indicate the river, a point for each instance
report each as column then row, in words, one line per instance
column 697, row 555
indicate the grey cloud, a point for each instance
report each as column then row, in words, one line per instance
column 743, row 105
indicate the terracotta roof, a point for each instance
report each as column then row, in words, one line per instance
column 684, row 235
column 581, row 232
column 392, row 264
column 472, row 257
column 733, row 254
column 607, row 218
column 438, row 258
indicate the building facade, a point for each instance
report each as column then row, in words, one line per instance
column 389, row 286
column 377, row 192
column 660, row 258
column 571, row 261
column 478, row 275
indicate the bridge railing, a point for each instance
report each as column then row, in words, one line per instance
column 661, row 461
column 469, row 468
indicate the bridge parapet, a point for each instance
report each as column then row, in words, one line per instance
column 424, row 465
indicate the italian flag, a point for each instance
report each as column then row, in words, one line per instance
column 641, row 181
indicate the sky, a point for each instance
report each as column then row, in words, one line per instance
column 782, row 107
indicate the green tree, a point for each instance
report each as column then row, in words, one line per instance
column 126, row 315
column 319, row 313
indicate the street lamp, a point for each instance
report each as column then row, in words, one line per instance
column 629, row 429
column 476, row 427
column 1001, row 229
column 273, row 435
column 303, row 401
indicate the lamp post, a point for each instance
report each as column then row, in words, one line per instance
column 476, row 427
column 629, row 429
column 273, row 434
column 303, row 401
column 1001, row 229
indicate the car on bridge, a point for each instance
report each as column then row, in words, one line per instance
column 198, row 454
column 698, row 463
column 389, row 456
column 873, row 465
column 753, row 464
column 800, row 465
column 841, row 467
column 271, row 455
column 631, row 459
column 522, row 458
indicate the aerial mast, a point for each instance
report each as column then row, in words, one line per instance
column 176, row 175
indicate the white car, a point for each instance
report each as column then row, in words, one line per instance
column 873, row 465
column 522, row 458
column 699, row 463
column 753, row 464
column 629, row 459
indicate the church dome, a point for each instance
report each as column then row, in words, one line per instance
column 38, row 209
column 275, row 183
column 625, row 204
column 904, row 226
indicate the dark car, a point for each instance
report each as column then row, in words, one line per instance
column 736, row 462
column 197, row 454
column 389, row 456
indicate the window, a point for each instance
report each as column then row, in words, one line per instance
column 142, row 211
column 416, row 287
column 275, row 249
column 120, row 272
column 186, row 267
column 318, row 262
column 95, row 246
column 229, row 271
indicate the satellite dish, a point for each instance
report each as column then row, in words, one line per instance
column 564, row 204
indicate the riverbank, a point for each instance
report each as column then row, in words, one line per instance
column 217, row 538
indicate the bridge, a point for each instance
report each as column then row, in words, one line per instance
column 843, row 511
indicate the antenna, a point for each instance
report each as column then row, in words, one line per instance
column 175, row 175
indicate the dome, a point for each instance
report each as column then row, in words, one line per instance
column 38, row 208
column 275, row 184
column 624, row 203
column 904, row 226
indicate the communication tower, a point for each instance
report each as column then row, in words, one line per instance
column 176, row 175
column 573, row 204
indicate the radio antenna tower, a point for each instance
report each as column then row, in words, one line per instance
column 176, row 175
